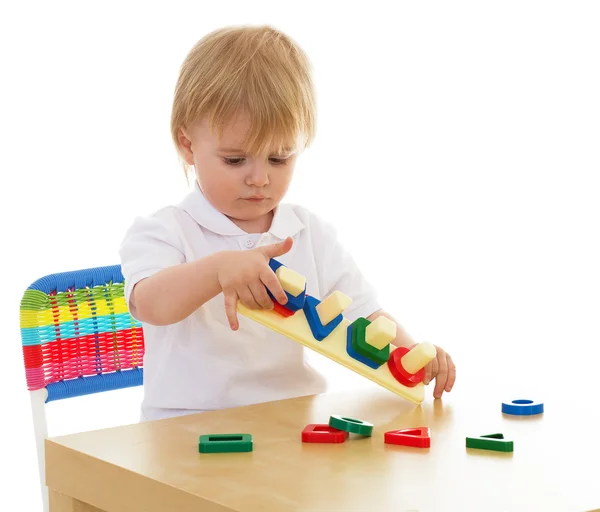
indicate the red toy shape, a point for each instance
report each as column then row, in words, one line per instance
column 410, row 380
column 417, row 437
column 316, row 433
column 282, row 310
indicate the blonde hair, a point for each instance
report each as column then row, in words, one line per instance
column 254, row 69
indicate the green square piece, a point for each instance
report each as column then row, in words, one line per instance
column 360, row 345
column 493, row 442
column 225, row 443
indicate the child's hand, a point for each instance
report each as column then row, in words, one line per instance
column 443, row 370
column 243, row 276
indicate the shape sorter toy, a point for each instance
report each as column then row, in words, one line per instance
column 362, row 346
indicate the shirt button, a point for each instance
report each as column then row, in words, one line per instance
column 249, row 243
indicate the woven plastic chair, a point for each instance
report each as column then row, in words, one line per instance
column 78, row 338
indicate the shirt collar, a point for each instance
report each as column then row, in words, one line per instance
column 285, row 221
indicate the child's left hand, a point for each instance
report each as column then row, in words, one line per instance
column 443, row 370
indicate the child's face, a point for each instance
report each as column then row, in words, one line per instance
column 244, row 187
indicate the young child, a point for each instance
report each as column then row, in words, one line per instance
column 244, row 108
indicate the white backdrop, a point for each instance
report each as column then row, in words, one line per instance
column 457, row 152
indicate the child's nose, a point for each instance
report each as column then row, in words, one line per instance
column 258, row 177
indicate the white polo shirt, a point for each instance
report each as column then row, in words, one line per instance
column 199, row 363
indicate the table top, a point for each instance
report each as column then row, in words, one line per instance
column 156, row 466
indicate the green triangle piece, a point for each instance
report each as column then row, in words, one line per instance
column 495, row 442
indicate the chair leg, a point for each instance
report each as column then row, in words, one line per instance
column 40, row 429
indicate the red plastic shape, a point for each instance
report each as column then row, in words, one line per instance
column 410, row 380
column 282, row 310
column 317, row 433
column 417, row 437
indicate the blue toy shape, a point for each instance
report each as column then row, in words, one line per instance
column 522, row 407
column 319, row 331
column 294, row 303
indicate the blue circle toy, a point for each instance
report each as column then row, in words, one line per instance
column 522, row 407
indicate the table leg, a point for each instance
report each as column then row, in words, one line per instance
column 62, row 503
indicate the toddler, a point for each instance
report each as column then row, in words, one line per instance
column 243, row 111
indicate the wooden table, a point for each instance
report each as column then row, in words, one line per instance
column 156, row 467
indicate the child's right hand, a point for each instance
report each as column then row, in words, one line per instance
column 243, row 276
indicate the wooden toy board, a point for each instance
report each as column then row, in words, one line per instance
column 296, row 328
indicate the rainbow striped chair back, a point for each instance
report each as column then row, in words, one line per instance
column 78, row 338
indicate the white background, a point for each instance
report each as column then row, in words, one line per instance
column 457, row 153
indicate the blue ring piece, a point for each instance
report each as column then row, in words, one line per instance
column 356, row 355
column 319, row 331
column 522, row 407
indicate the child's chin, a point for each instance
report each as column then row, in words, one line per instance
column 250, row 212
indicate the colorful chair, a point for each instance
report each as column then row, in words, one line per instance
column 78, row 338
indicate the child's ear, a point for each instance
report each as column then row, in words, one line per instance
column 185, row 146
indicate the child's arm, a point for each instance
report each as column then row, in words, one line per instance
column 442, row 368
column 174, row 293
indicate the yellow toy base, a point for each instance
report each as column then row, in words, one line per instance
column 296, row 328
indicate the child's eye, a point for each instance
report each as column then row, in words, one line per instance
column 278, row 161
column 233, row 161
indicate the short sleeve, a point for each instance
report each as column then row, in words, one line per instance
column 151, row 244
column 338, row 271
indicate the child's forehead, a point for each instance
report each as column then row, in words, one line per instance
column 237, row 134
column 239, row 148
column 234, row 141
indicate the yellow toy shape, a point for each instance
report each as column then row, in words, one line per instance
column 290, row 280
column 334, row 305
column 380, row 332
